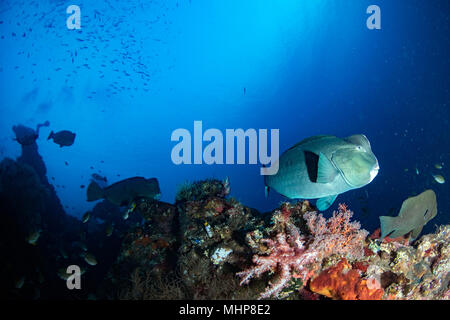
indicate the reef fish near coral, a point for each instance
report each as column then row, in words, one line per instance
column 414, row 214
column 64, row 138
column 322, row 167
column 124, row 192
column 438, row 178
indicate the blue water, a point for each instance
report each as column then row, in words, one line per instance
column 142, row 69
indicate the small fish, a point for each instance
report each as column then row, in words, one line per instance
column 33, row 237
column 86, row 217
column 438, row 166
column 417, row 171
column 98, row 177
column 81, row 245
column 20, row 282
column 66, row 163
column 439, row 179
column 63, row 253
column 90, row 259
column 129, row 210
column 62, row 273
column 109, row 229
column 82, row 186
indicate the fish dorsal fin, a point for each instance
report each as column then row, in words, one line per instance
column 324, row 203
column 310, row 139
column 326, row 172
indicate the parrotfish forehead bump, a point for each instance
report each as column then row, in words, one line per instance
column 358, row 165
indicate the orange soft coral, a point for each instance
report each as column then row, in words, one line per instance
column 343, row 282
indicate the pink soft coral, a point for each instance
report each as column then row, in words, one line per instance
column 295, row 256
column 285, row 257
column 336, row 235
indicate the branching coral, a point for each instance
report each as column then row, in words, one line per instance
column 336, row 235
column 292, row 255
column 285, row 257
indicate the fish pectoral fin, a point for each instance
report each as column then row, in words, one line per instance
column 325, row 202
column 415, row 233
column 388, row 226
column 326, row 172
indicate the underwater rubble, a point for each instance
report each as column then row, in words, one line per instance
column 209, row 246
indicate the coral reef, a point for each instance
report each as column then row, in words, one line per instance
column 345, row 283
column 415, row 272
column 292, row 255
column 194, row 246
column 206, row 245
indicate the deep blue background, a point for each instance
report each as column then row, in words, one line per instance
column 141, row 69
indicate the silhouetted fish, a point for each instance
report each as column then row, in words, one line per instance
column 63, row 138
column 124, row 192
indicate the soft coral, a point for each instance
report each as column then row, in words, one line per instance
column 292, row 255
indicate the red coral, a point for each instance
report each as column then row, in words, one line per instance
column 402, row 239
column 360, row 265
column 368, row 252
column 343, row 282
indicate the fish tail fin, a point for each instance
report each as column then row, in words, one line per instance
column 50, row 135
column 387, row 225
column 94, row 192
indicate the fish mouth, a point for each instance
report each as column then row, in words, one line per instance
column 373, row 173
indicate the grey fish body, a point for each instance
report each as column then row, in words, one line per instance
column 323, row 167
column 414, row 214
column 124, row 192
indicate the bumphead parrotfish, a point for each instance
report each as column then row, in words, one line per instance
column 322, row 167
column 414, row 214
column 124, row 192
